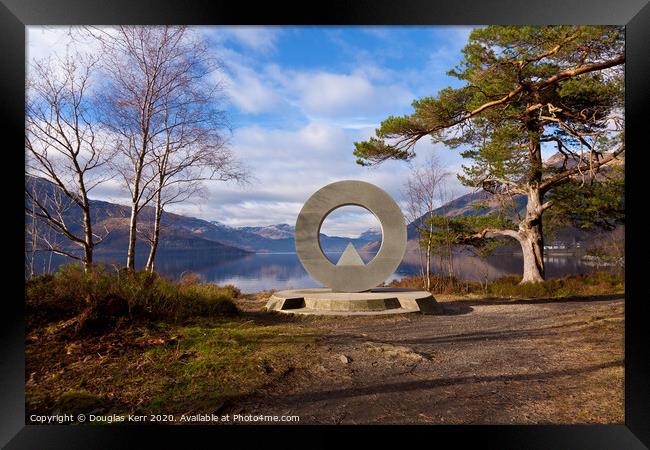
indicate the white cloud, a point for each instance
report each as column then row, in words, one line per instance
column 48, row 42
column 349, row 221
column 328, row 93
column 452, row 40
column 43, row 41
column 258, row 39
column 289, row 166
column 248, row 92
column 257, row 84
column 332, row 95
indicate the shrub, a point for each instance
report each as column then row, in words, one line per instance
column 101, row 297
column 440, row 284
column 508, row 286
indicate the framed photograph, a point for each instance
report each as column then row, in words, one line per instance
column 248, row 222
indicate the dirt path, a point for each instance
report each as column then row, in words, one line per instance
column 528, row 362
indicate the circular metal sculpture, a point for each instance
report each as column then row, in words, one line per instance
column 350, row 274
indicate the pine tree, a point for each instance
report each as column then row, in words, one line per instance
column 525, row 89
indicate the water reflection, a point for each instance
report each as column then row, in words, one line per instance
column 257, row 272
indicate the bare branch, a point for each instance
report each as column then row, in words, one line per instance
column 62, row 146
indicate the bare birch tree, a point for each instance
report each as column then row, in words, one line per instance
column 161, row 101
column 65, row 147
column 188, row 157
column 423, row 189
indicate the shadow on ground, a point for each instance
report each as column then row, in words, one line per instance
column 407, row 386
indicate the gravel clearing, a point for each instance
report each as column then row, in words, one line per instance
column 482, row 362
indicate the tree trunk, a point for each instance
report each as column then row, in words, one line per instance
column 532, row 249
column 135, row 199
column 88, row 236
column 530, row 236
column 532, row 239
column 427, row 277
column 448, row 250
column 156, row 234
column 530, row 229
column 421, row 255
column 88, row 257
column 429, row 250
column 130, row 256
column 34, row 237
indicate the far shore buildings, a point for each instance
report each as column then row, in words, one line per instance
column 560, row 245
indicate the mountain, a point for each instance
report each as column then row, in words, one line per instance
column 112, row 221
column 472, row 204
column 185, row 233
column 281, row 231
column 482, row 203
column 267, row 239
column 280, row 238
column 371, row 235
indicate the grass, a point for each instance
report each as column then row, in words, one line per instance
column 596, row 283
column 123, row 342
column 225, row 361
column 196, row 367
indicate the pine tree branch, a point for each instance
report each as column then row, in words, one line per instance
column 570, row 73
column 498, row 232
column 560, row 177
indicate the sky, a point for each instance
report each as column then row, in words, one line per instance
column 297, row 100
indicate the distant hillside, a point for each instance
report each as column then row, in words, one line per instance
column 112, row 220
column 472, row 204
column 187, row 233
column 281, row 231
column 280, row 238
column 371, row 234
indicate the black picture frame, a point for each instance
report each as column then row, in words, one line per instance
column 635, row 14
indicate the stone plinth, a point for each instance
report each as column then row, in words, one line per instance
column 373, row 302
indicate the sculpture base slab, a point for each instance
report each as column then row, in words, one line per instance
column 376, row 301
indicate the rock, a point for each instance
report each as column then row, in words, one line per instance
column 394, row 351
column 345, row 359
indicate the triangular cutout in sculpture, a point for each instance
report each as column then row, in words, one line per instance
column 350, row 257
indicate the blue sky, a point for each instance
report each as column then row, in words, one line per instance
column 298, row 97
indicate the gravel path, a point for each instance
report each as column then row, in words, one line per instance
column 549, row 361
